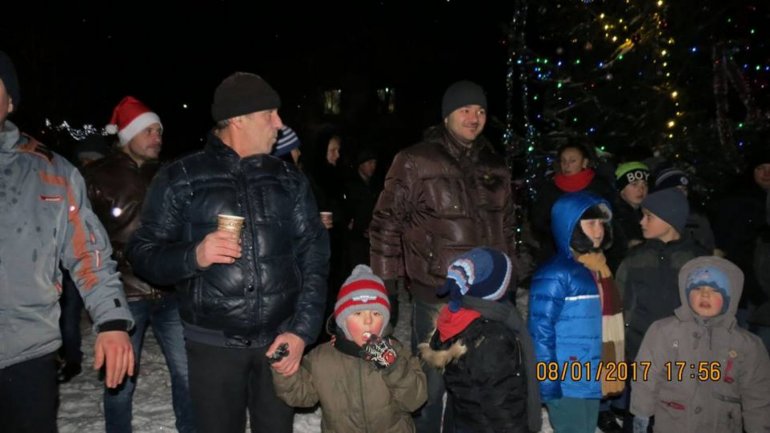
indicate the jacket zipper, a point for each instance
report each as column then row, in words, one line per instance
column 250, row 233
column 361, row 389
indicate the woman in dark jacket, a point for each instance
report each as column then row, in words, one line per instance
column 575, row 174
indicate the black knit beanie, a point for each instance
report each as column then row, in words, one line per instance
column 243, row 93
column 460, row 94
column 9, row 78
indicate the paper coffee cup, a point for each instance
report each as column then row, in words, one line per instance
column 230, row 223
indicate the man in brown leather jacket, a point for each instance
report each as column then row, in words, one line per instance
column 442, row 197
column 117, row 185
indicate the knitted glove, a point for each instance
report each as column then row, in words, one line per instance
column 379, row 352
column 640, row 424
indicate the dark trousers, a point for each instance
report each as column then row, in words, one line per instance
column 225, row 382
column 69, row 322
column 29, row 396
column 429, row 418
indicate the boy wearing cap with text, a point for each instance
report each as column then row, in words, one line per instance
column 706, row 374
column 631, row 182
column 483, row 347
column 364, row 380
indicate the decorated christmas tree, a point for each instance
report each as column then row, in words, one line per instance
column 685, row 80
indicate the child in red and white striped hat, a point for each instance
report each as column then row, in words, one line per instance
column 362, row 378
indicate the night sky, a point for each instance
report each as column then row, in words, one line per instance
column 76, row 60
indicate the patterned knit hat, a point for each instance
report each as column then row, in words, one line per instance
column 630, row 172
column 671, row 178
column 287, row 141
column 481, row 272
column 361, row 291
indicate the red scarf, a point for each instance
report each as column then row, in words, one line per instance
column 575, row 182
column 450, row 324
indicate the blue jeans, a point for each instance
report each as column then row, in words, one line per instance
column 428, row 418
column 163, row 315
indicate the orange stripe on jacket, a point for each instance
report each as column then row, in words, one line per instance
column 86, row 272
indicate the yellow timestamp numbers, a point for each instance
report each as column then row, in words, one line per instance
column 583, row 371
column 703, row 371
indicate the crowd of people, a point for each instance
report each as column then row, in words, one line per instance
column 645, row 312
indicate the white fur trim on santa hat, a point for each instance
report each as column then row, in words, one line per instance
column 137, row 125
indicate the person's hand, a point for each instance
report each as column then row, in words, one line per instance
column 217, row 247
column 113, row 351
column 379, row 352
column 290, row 364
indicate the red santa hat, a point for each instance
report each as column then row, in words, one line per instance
column 129, row 118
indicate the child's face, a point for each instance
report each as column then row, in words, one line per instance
column 594, row 229
column 634, row 192
column 705, row 301
column 362, row 323
column 654, row 227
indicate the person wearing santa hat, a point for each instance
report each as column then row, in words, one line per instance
column 117, row 185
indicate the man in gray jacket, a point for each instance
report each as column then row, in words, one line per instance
column 46, row 219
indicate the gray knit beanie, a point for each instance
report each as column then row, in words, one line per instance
column 670, row 205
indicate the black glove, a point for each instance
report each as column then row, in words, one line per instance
column 379, row 352
column 279, row 353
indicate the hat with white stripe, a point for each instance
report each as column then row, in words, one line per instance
column 287, row 141
column 481, row 272
column 129, row 118
column 361, row 291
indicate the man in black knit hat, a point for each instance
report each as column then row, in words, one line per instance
column 442, row 197
column 245, row 294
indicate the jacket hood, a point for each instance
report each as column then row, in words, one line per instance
column 566, row 213
column 735, row 289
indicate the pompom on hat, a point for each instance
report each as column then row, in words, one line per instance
column 460, row 94
column 361, row 291
column 129, row 118
column 481, row 272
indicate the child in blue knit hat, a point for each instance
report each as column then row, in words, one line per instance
column 699, row 371
column 482, row 345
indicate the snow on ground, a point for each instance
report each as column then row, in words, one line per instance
column 81, row 409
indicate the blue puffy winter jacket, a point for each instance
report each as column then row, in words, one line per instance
column 565, row 317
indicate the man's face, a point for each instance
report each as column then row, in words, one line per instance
column 262, row 130
column 6, row 105
column 467, row 122
column 146, row 145
column 634, row 193
column 762, row 176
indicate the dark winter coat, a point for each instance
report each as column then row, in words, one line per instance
column 277, row 285
column 626, row 228
column 440, row 200
column 489, row 370
column 647, row 280
column 117, row 187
